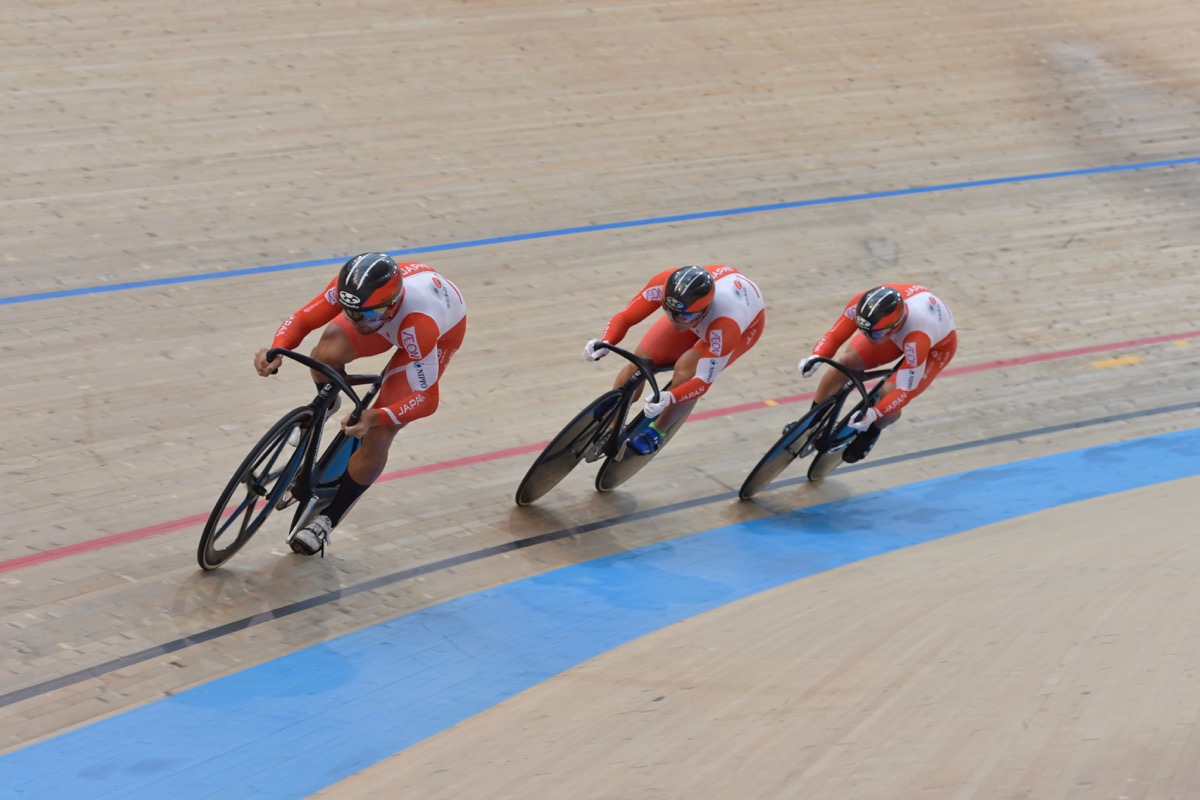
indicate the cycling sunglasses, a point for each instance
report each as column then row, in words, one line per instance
column 374, row 314
column 684, row 316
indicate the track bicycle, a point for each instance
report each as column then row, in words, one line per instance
column 276, row 475
column 823, row 430
column 600, row 431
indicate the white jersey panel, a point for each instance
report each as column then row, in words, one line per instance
column 434, row 296
column 736, row 297
column 927, row 314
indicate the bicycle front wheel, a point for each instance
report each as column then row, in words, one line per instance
column 798, row 440
column 254, row 491
column 569, row 447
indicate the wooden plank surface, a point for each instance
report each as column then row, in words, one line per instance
column 155, row 141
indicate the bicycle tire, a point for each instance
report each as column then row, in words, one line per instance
column 264, row 474
column 827, row 461
column 613, row 473
column 824, row 463
column 784, row 452
column 567, row 448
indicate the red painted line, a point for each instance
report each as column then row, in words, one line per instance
column 166, row 527
column 425, row 469
column 97, row 544
column 1082, row 351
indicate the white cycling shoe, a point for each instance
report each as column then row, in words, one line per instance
column 312, row 538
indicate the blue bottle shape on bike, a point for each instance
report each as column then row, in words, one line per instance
column 336, row 465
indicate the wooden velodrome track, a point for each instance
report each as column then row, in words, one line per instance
column 1036, row 164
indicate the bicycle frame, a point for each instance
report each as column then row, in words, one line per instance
column 313, row 486
column 599, row 430
column 269, row 473
column 828, row 437
column 645, row 372
column 822, row 430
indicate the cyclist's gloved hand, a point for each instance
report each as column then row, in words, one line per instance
column 863, row 419
column 593, row 353
column 808, row 366
column 653, row 409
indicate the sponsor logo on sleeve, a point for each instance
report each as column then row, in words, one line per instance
column 910, row 354
column 654, row 294
column 419, row 379
column 716, row 341
column 331, row 296
column 739, row 292
column 408, row 338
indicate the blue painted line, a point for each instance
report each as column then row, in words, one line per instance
column 636, row 223
column 297, row 724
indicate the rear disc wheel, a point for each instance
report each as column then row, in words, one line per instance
column 613, row 472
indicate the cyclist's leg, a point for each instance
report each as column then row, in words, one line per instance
column 340, row 344
column 871, row 355
column 860, row 353
column 662, row 344
column 369, row 460
column 939, row 356
column 685, row 369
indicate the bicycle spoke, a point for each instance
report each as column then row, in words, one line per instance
column 258, row 486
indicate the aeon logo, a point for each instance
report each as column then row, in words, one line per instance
column 409, row 338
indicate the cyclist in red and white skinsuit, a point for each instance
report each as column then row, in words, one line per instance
column 372, row 306
column 881, row 324
column 713, row 315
